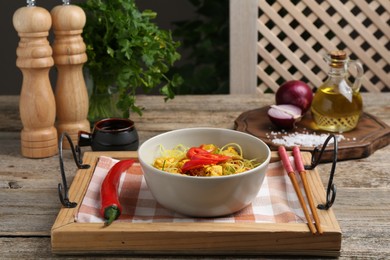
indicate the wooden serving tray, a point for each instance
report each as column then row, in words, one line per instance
column 70, row 237
column 370, row 134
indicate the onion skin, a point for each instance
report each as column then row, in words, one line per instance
column 295, row 92
column 280, row 118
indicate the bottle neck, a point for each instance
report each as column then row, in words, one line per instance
column 336, row 76
column 337, row 72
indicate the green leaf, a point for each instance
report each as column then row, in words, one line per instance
column 110, row 51
column 149, row 14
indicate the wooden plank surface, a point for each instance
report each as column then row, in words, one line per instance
column 362, row 203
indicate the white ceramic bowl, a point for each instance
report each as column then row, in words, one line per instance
column 204, row 196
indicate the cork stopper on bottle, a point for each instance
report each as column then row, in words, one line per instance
column 338, row 55
column 337, row 58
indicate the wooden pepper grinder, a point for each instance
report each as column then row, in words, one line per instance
column 69, row 57
column 37, row 103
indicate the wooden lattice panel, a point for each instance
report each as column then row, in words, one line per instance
column 294, row 35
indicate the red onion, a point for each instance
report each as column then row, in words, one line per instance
column 295, row 92
column 284, row 116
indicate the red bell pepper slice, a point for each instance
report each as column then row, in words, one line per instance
column 194, row 164
column 210, row 156
column 195, row 150
column 200, row 157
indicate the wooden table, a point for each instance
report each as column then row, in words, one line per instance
column 29, row 201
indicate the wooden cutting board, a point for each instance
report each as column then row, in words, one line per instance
column 370, row 134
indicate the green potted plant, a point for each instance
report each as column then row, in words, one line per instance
column 127, row 53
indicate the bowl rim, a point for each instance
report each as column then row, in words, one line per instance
column 171, row 175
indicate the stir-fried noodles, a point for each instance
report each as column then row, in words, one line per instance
column 205, row 160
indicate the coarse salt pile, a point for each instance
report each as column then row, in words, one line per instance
column 301, row 139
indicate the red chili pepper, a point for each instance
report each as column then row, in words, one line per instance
column 110, row 207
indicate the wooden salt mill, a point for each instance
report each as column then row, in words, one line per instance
column 69, row 57
column 37, row 103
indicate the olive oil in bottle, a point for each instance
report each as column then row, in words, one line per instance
column 337, row 104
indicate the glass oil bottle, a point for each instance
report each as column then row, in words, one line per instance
column 337, row 103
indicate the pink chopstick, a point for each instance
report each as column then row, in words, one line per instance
column 287, row 166
column 301, row 169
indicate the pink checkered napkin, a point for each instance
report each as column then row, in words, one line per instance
column 276, row 201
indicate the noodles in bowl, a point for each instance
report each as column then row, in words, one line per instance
column 204, row 196
column 204, row 160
